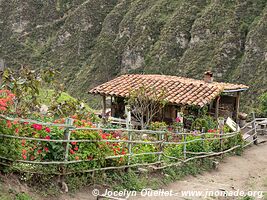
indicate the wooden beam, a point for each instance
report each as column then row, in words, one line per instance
column 104, row 107
column 237, row 105
column 217, row 107
column 2, row 68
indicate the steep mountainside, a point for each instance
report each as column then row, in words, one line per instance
column 91, row 41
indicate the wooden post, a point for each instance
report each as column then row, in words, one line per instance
column 254, row 126
column 221, row 125
column 161, row 138
column 104, row 109
column 128, row 126
column 67, row 133
column 2, row 68
column 185, row 146
column 237, row 103
column 203, row 137
column 217, row 107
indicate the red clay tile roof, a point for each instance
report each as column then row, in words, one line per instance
column 178, row 90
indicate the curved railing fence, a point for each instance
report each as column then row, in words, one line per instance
column 67, row 148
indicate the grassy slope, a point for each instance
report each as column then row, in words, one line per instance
column 92, row 41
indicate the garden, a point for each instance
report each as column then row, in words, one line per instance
column 67, row 137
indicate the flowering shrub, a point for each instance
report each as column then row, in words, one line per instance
column 99, row 144
column 6, row 100
column 93, row 153
column 144, row 148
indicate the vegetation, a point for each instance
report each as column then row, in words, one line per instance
column 263, row 104
column 145, row 103
column 89, row 155
column 91, row 42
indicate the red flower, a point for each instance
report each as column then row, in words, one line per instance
column 123, row 152
column 3, row 103
column 17, row 130
column 23, row 142
column 46, row 149
column 47, row 137
column 39, row 151
column 2, row 108
column 104, row 136
column 24, row 151
column 73, row 143
column 32, row 158
column 77, row 158
column 24, row 157
column 37, row 127
column 48, row 130
column 72, row 152
column 76, row 148
column 8, row 123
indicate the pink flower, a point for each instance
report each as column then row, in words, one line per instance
column 178, row 119
column 47, row 137
column 76, row 148
column 46, row 149
column 37, row 127
column 73, row 143
column 48, row 130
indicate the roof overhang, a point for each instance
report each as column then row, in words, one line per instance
column 236, row 90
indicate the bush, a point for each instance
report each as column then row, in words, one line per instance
column 263, row 104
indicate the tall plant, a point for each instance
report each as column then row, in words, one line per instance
column 26, row 85
column 145, row 103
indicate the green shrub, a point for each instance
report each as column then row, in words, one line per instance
column 263, row 104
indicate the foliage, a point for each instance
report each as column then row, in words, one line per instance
column 144, row 148
column 263, row 104
column 158, row 126
column 145, row 103
column 25, row 84
column 206, row 122
column 36, row 88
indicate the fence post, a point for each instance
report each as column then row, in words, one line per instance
column 128, row 126
column 67, row 133
column 2, row 68
column 161, row 138
column 254, row 126
column 221, row 125
column 203, row 136
column 185, row 146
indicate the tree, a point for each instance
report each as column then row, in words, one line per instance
column 145, row 103
column 263, row 104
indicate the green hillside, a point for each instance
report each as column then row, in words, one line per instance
column 92, row 41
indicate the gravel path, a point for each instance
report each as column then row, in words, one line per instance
column 237, row 173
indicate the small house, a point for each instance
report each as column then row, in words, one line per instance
column 221, row 99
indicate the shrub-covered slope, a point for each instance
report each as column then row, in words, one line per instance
column 91, row 41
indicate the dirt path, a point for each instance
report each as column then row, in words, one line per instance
column 244, row 173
